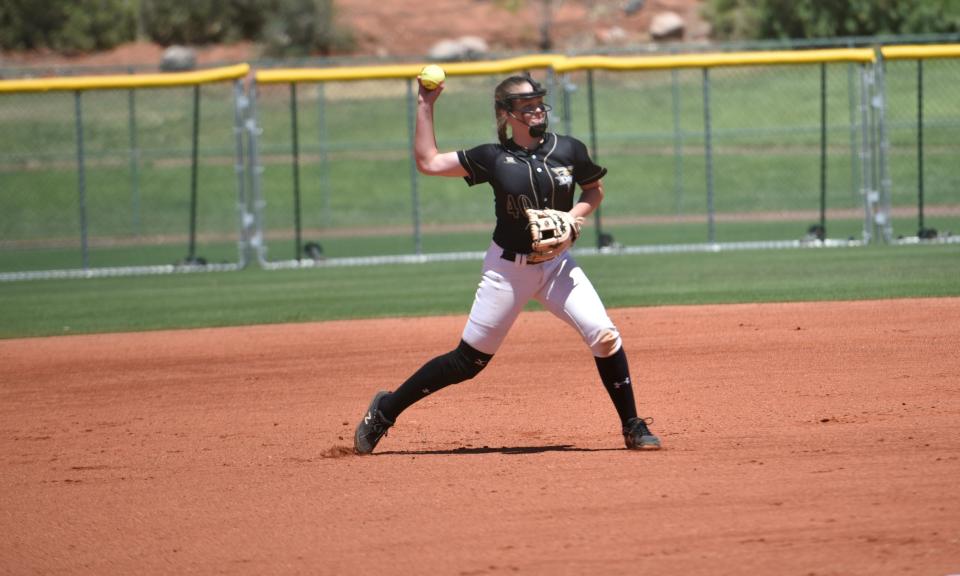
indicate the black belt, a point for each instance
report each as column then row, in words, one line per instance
column 509, row 255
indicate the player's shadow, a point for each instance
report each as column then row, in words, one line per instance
column 495, row 450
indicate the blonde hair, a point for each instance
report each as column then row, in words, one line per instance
column 502, row 104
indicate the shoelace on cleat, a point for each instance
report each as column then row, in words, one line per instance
column 378, row 426
column 642, row 424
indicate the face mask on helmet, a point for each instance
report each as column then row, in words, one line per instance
column 536, row 130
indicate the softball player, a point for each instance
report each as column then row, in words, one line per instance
column 532, row 170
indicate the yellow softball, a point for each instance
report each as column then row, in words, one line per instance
column 431, row 76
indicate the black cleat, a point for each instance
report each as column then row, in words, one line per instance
column 372, row 427
column 637, row 436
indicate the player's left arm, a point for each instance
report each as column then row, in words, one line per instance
column 590, row 198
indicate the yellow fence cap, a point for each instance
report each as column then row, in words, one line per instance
column 126, row 81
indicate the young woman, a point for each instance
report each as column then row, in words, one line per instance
column 528, row 169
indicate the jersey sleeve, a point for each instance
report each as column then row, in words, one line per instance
column 478, row 162
column 584, row 170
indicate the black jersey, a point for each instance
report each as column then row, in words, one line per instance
column 521, row 179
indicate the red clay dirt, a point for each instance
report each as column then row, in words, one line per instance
column 807, row 438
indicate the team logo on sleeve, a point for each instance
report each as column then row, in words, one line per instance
column 563, row 175
column 509, row 160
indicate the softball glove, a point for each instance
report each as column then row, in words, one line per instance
column 551, row 232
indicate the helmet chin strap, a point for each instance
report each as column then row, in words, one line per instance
column 536, row 130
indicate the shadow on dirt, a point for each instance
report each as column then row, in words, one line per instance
column 493, row 450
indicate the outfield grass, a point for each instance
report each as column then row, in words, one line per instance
column 254, row 296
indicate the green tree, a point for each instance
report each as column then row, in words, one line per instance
column 807, row 19
column 67, row 26
column 732, row 19
column 196, row 22
column 302, row 27
column 91, row 25
column 248, row 18
column 287, row 27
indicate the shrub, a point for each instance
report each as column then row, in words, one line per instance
column 287, row 27
column 67, row 26
column 799, row 19
column 302, row 27
column 195, row 22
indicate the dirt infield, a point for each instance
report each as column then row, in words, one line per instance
column 808, row 439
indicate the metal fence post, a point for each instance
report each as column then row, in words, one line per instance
column 868, row 195
column 324, row 155
column 854, row 126
column 677, row 143
column 708, row 153
column 81, row 180
column 240, row 110
column 567, row 87
column 886, row 184
column 194, row 153
column 602, row 240
column 134, row 153
column 295, row 137
column 822, row 233
column 414, row 181
column 255, row 174
column 921, row 228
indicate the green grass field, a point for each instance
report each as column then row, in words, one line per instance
column 254, row 296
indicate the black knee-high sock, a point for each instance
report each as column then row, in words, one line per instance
column 462, row 363
column 615, row 374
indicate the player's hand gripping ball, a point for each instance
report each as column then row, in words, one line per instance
column 431, row 76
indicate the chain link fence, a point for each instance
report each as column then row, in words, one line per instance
column 709, row 151
column 96, row 176
column 922, row 122
column 722, row 155
column 305, row 167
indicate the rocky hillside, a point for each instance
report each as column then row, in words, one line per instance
column 445, row 29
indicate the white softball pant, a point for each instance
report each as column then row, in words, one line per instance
column 560, row 285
